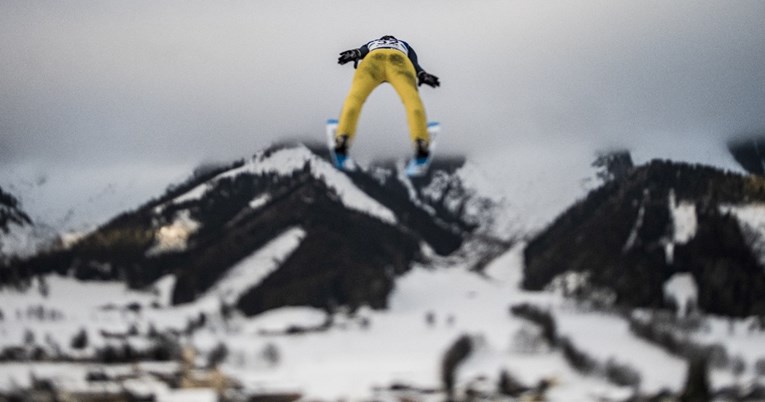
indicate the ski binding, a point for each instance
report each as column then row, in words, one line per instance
column 340, row 161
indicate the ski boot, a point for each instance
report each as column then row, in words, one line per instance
column 418, row 166
column 340, row 153
column 338, row 147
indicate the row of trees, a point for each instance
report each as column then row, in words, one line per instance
column 700, row 357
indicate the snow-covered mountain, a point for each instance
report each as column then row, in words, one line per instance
column 280, row 277
column 356, row 230
column 632, row 235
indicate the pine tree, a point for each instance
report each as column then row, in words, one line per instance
column 42, row 286
column 697, row 382
column 29, row 337
column 457, row 353
column 80, row 340
column 217, row 355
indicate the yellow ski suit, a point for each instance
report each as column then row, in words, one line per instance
column 379, row 66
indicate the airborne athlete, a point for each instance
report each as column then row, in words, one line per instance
column 391, row 60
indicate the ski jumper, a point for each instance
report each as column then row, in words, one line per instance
column 385, row 60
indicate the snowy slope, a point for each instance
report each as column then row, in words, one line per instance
column 18, row 241
column 360, row 355
column 336, row 352
column 468, row 191
column 250, row 271
column 751, row 219
column 347, row 361
column 286, row 161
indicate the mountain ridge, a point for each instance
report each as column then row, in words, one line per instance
column 362, row 229
column 269, row 264
column 622, row 236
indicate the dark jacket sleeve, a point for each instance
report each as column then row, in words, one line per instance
column 364, row 51
column 413, row 57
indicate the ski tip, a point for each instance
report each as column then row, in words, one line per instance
column 417, row 168
column 434, row 127
column 345, row 164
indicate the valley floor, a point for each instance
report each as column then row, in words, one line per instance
column 362, row 355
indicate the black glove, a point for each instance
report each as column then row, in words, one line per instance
column 349, row 55
column 428, row 79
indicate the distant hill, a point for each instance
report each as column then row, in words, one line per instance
column 625, row 240
column 749, row 152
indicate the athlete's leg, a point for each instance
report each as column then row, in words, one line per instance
column 369, row 75
column 402, row 76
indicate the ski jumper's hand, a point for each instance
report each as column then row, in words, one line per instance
column 428, row 79
column 349, row 55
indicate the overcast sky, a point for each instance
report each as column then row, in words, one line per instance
column 134, row 94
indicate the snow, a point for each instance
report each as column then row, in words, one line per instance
column 283, row 318
column 194, row 194
column 751, row 219
column 635, row 228
column 399, row 346
column 70, row 238
column 475, row 179
column 19, row 375
column 407, row 182
column 531, row 368
column 607, row 337
column 189, row 395
column 253, row 269
column 739, row 340
column 163, row 288
column 366, row 351
column 260, row 201
column 71, row 377
column 69, row 306
column 681, row 288
column 684, row 219
column 81, row 198
column 24, row 240
column 501, row 221
column 18, row 241
column 73, row 296
column 173, row 237
column 287, row 161
column 684, row 224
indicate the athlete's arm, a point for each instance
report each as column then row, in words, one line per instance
column 353, row 55
column 413, row 57
column 422, row 76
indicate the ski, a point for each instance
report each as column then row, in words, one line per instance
column 341, row 162
column 418, row 167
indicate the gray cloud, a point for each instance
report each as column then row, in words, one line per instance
column 90, row 84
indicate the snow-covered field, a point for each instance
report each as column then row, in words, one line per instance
column 362, row 354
